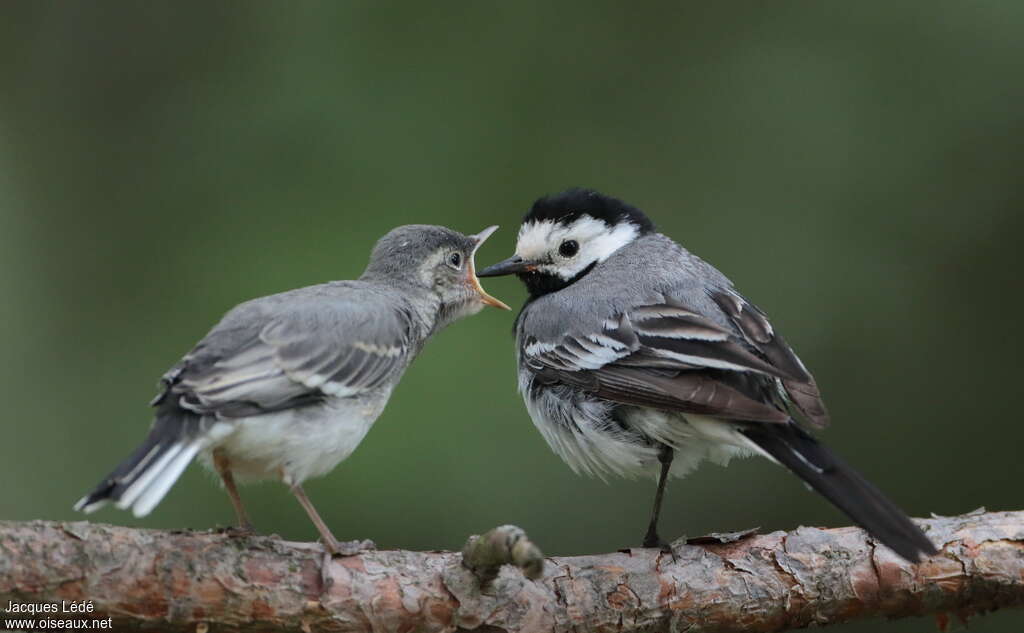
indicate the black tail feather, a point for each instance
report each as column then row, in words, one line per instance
column 829, row 475
column 167, row 430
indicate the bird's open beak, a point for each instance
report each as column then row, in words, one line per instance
column 472, row 277
column 511, row 266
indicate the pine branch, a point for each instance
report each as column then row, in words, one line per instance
column 198, row 581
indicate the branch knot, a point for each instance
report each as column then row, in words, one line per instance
column 504, row 545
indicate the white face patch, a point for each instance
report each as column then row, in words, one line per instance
column 429, row 266
column 539, row 242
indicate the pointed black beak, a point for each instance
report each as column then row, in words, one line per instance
column 511, row 266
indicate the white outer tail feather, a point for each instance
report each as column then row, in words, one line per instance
column 152, row 485
column 156, row 475
column 138, row 486
column 155, row 492
column 92, row 507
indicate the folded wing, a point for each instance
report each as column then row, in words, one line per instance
column 292, row 357
column 668, row 355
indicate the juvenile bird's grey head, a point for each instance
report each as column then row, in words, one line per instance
column 436, row 260
column 566, row 234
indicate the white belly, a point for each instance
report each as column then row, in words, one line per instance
column 582, row 431
column 694, row 438
column 593, row 447
column 294, row 445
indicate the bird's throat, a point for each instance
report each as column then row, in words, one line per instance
column 540, row 283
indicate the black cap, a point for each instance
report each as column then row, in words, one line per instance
column 567, row 207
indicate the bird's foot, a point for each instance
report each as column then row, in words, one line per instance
column 659, row 543
column 348, row 548
column 244, row 530
column 334, row 548
column 652, row 541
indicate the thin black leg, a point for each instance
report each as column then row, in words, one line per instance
column 652, row 539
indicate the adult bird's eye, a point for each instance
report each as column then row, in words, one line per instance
column 568, row 248
column 455, row 259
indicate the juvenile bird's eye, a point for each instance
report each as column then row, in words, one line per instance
column 455, row 260
column 568, row 248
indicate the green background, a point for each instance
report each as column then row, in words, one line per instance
column 856, row 168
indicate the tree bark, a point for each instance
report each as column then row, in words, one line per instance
column 199, row 581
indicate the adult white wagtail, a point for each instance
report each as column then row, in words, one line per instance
column 286, row 386
column 637, row 357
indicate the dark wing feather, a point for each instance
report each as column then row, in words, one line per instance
column 672, row 331
column 758, row 331
column 688, row 392
column 669, row 356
